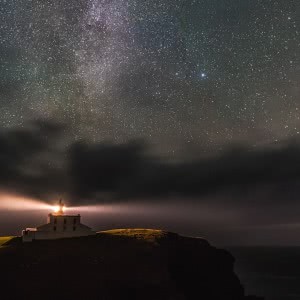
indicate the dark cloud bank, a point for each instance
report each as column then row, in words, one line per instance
column 37, row 161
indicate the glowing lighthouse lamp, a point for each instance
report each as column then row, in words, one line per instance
column 59, row 209
column 59, row 225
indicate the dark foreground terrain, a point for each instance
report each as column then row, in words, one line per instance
column 119, row 264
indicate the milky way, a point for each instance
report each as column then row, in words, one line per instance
column 177, row 73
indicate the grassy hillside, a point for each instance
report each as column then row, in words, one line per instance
column 149, row 235
column 4, row 239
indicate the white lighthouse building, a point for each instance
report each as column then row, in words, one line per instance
column 59, row 226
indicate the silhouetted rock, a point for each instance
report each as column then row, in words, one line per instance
column 120, row 264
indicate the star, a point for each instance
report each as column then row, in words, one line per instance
column 118, row 63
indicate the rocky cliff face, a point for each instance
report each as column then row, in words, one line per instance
column 120, row 264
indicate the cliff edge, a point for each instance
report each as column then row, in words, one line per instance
column 120, row 264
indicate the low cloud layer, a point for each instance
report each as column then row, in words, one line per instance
column 37, row 161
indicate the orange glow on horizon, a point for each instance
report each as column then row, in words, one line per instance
column 10, row 201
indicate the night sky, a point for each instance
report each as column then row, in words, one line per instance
column 167, row 86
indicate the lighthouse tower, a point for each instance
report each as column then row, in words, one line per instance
column 59, row 225
column 61, row 206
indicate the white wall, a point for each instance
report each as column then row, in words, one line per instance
column 63, row 227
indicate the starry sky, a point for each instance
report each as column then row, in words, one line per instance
column 187, row 77
column 178, row 73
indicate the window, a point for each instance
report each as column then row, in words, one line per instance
column 74, row 228
column 65, row 221
column 54, row 228
column 55, row 220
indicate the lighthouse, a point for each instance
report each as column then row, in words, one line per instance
column 59, row 225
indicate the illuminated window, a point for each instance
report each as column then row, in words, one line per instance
column 54, row 228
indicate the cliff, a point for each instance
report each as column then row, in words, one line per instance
column 119, row 264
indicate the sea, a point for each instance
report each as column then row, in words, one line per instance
column 272, row 272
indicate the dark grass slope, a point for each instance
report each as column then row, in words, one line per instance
column 119, row 264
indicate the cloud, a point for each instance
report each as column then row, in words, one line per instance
column 36, row 161
column 27, row 159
